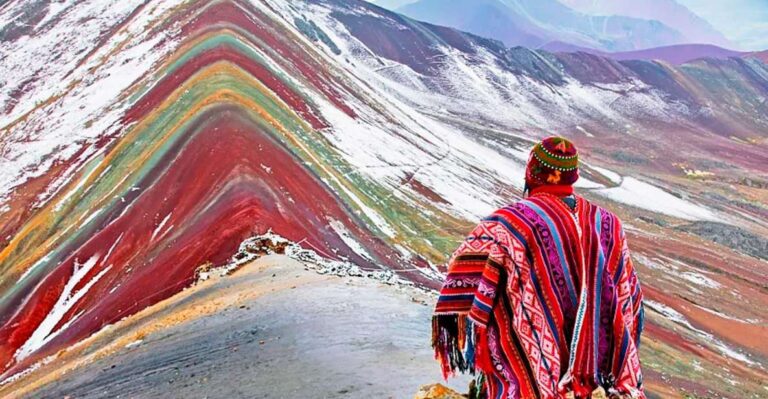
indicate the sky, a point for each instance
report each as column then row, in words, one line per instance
column 745, row 22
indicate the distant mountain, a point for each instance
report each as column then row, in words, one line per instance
column 677, row 55
column 487, row 18
column 668, row 12
column 534, row 23
column 762, row 55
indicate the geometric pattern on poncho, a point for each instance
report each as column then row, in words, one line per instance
column 542, row 301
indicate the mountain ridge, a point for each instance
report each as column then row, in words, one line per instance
column 368, row 137
column 670, row 12
column 678, row 54
column 522, row 23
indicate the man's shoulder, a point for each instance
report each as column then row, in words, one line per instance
column 605, row 213
column 520, row 209
column 523, row 209
column 509, row 220
column 505, row 213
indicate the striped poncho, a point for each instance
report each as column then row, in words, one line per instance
column 542, row 300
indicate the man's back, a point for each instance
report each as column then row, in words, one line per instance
column 542, row 299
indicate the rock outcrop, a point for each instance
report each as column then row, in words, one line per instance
column 437, row 391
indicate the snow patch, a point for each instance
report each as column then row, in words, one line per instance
column 42, row 260
column 701, row 280
column 134, row 344
column 611, row 175
column 586, row 133
column 643, row 195
column 67, row 300
column 70, row 100
column 348, row 239
column 159, row 227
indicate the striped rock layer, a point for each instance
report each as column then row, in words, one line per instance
column 141, row 140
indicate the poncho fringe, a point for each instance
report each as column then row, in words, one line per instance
column 455, row 340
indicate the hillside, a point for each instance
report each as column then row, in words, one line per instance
column 143, row 143
column 677, row 55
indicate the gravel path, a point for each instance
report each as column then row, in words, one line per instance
column 322, row 337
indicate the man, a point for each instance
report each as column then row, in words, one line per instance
column 542, row 299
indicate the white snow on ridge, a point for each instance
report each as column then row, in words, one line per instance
column 89, row 106
column 586, row 133
column 31, row 268
column 438, row 155
column 80, row 183
column 643, row 195
column 611, row 175
column 54, row 9
column 349, row 239
column 55, row 51
column 701, row 280
column 68, row 299
column 160, row 226
column 470, row 174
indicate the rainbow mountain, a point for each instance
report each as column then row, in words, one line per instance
column 143, row 140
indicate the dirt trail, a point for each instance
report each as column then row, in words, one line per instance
column 271, row 330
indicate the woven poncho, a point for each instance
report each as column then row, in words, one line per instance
column 543, row 300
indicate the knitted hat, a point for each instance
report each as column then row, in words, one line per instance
column 553, row 161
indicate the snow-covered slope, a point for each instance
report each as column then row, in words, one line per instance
column 170, row 132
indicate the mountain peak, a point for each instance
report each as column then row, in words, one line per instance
column 535, row 23
column 146, row 143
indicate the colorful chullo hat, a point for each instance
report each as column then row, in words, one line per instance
column 553, row 161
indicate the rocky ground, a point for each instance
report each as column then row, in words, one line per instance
column 276, row 327
column 271, row 330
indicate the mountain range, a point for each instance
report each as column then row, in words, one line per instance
column 533, row 24
column 623, row 30
column 677, row 54
column 144, row 143
column 669, row 12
